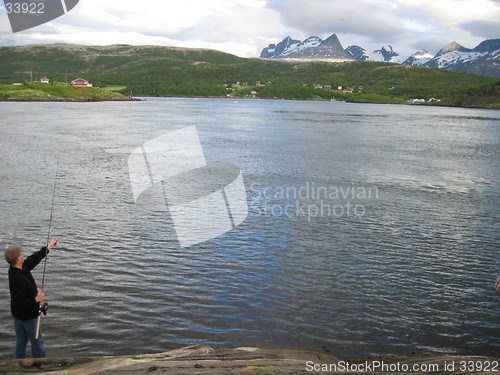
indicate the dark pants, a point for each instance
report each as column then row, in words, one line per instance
column 26, row 331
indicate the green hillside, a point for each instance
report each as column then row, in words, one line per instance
column 167, row 71
column 56, row 92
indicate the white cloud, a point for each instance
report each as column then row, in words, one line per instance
column 146, row 16
column 244, row 27
column 405, row 24
column 371, row 19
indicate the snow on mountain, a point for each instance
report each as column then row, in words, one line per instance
column 484, row 59
column 423, row 54
column 419, row 58
column 399, row 59
column 454, row 57
column 357, row 52
column 312, row 41
column 289, row 46
column 274, row 50
column 386, row 53
column 311, row 48
column 375, row 55
column 295, row 45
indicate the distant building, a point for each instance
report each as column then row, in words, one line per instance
column 44, row 80
column 80, row 82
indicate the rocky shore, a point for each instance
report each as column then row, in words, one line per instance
column 245, row 360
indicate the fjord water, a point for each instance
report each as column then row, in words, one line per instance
column 372, row 229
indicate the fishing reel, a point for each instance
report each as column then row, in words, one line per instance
column 44, row 308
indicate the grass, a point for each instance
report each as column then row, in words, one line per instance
column 115, row 88
column 55, row 91
column 376, row 98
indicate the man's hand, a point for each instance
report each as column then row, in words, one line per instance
column 52, row 244
column 40, row 297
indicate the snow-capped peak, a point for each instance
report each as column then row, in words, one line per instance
column 422, row 54
column 484, row 59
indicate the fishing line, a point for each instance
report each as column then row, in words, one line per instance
column 50, row 226
column 43, row 306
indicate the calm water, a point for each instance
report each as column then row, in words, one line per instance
column 372, row 229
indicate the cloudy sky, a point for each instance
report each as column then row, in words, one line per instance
column 244, row 27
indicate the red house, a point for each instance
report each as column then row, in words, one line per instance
column 81, row 82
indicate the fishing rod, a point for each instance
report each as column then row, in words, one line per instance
column 43, row 306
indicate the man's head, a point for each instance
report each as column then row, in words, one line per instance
column 13, row 255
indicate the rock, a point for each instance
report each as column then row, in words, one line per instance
column 202, row 359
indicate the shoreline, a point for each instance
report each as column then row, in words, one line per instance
column 204, row 359
column 70, row 100
column 432, row 104
column 144, row 98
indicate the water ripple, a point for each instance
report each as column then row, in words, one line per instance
column 415, row 272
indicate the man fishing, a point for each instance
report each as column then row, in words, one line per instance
column 26, row 300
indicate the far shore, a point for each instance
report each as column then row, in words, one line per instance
column 143, row 98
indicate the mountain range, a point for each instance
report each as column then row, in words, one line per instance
column 483, row 59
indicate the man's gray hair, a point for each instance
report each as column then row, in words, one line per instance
column 12, row 254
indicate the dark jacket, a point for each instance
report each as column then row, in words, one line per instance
column 23, row 288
